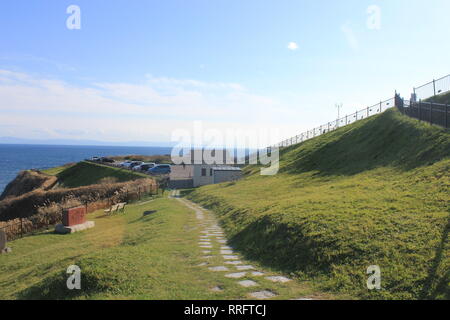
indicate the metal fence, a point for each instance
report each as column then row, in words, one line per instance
column 433, row 88
column 434, row 113
column 335, row 124
column 426, row 111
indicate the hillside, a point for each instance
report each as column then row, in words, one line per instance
column 87, row 173
column 442, row 98
column 372, row 193
column 27, row 181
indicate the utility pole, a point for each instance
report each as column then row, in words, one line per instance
column 338, row 106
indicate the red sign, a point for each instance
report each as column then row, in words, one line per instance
column 74, row 216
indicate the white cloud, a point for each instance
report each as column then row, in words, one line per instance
column 32, row 106
column 292, row 46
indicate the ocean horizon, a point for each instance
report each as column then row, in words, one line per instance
column 17, row 157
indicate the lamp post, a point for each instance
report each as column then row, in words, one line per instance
column 338, row 106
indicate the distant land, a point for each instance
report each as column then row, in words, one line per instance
column 73, row 142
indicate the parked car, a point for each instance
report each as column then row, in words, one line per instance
column 134, row 164
column 107, row 160
column 160, row 169
column 95, row 159
column 125, row 164
column 144, row 166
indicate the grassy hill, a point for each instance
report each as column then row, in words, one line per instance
column 150, row 251
column 87, row 173
column 442, row 98
column 372, row 193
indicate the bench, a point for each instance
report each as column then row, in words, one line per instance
column 116, row 208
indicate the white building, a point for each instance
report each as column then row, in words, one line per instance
column 199, row 173
column 204, row 174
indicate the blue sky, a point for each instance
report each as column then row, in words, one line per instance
column 138, row 70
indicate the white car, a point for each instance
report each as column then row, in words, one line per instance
column 144, row 167
column 125, row 164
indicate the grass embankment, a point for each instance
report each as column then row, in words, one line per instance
column 442, row 98
column 87, row 173
column 149, row 252
column 372, row 193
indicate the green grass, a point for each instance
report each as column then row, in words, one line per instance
column 372, row 193
column 149, row 252
column 442, row 98
column 87, row 173
column 57, row 170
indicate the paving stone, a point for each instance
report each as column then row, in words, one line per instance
column 206, row 251
column 226, row 248
column 202, row 264
column 261, row 295
column 257, row 273
column 220, row 268
column 217, row 289
column 278, row 279
column 247, row 283
column 231, row 257
column 206, row 247
column 242, row 268
column 236, row 275
column 222, row 241
column 207, row 257
column 233, row 262
column 228, row 252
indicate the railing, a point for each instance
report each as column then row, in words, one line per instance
column 335, row 124
column 433, row 113
column 437, row 114
column 433, row 88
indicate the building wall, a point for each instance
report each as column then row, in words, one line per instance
column 200, row 180
column 224, row 176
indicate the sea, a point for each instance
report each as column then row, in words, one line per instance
column 15, row 158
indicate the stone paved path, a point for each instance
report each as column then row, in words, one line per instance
column 230, row 264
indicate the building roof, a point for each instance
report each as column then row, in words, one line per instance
column 226, row 169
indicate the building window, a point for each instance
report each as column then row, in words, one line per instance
column 210, row 172
column 203, row 172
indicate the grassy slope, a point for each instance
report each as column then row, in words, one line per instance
column 56, row 170
column 442, row 98
column 150, row 252
column 86, row 173
column 372, row 193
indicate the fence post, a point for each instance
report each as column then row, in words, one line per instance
column 420, row 113
column 367, row 112
column 381, row 105
column 434, row 86
column 21, row 227
column 346, row 121
column 446, row 115
column 431, row 112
